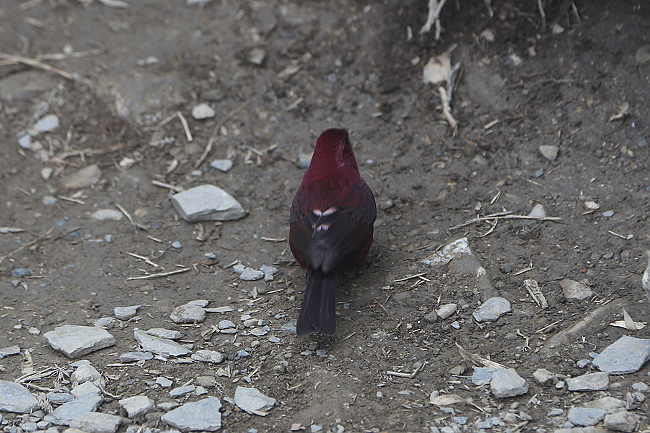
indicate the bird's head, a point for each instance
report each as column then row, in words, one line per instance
column 333, row 152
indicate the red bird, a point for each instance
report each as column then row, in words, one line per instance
column 331, row 227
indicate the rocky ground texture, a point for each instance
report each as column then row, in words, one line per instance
column 504, row 290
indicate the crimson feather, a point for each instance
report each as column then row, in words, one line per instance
column 331, row 227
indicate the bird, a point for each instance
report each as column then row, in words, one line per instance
column 331, row 227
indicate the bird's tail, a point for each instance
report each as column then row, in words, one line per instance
column 318, row 311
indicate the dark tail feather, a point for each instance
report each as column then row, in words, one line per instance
column 318, row 311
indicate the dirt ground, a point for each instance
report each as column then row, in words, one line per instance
column 330, row 64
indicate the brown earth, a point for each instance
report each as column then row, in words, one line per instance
column 354, row 68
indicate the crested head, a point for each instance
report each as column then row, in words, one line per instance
column 333, row 152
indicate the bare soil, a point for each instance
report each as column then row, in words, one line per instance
column 352, row 66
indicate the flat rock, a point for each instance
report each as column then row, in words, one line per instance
column 549, row 151
column 446, row 310
column 543, row 376
column 507, row 383
column 160, row 346
column 492, row 309
column 482, row 375
column 609, row 404
column 107, row 214
column 207, row 203
column 584, row 416
column 125, row 313
column 16, row 398
column 82, row 178
column 575, row 290
column 8, row 351
column 626, row 355
column 211, row 356
column 622, row 421
column 253, row 401
column 74, row 409
column 85, row 388
column 202, row 415
column 589, row 382
column 93, row 422
column 136, row 356
column 181, row 391
column 188, row 314
column 75, row 341
column 164, row 333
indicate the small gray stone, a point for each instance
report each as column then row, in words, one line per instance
column 252, row 401
column 507, row 383
column 16, row 398
column 49, row 200
column 304, row 159
column 105, row 322
column 87, row 373
column 136, row 356
column 93, row 422
column 608, row 404
column 222, row 164
column 107, row 214
column 160, row 346
column 482, row 375
column 8, row 351
column 87, row 176
column 431, row 317
column 177, row 245
column 586, row 417
column 181, row 391
column 622, row 421
column 210, row 356
column 202, row 111
column 199, row 302
column 226, row 324
column 269, row 270
column 638, row 386
column 492, row 309
column 589, row 382
column 21, row 272
column 46, row 123
column 555, row 412
column 251, row 275
column 206, row 381
column 188, row 314
column 59, row 397
column 538, row 211
column 164, row 382
column 446, row 310
column 125, row 313
column 137, row 405
column 207, row 203
column 542, row 376
column 74, row 409
column 608, row 214
column 75, row 341
column 164, row 333
column 201, row 415
column 626, row 355
column 549, row 151
column 574, row 290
